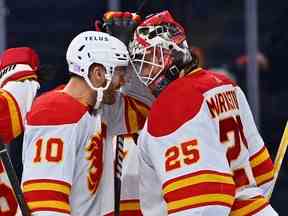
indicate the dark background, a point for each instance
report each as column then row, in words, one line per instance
column 217, row 27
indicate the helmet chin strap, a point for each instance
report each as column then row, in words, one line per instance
column 100, row 90
column 99, row 98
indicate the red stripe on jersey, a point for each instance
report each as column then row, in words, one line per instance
column 218, row 203
column 196, row 174
column 50, row 209
column 200, row 189
column 131, row 213
column 34, row 181
column 56, row 108
column 47, row 195
column 44, row 195
column 263, row 168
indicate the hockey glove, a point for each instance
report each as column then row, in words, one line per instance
column 121, row 24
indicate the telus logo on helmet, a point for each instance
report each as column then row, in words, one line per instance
column 94, row 38
column 6, row 70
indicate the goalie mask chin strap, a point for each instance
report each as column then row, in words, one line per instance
column 174, row 71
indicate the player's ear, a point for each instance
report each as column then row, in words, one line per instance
column 97, row 75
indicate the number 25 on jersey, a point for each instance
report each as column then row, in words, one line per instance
column 186, row 153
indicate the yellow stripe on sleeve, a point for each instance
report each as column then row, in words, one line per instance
column 46, row 204
column 202, row 199
column 46, row 186
column 129, row 206
column 259, row 202
column 264, row 177
column 263, row 156
column 202, row 178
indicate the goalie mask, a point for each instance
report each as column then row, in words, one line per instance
column 159, row 51
column 91, row 47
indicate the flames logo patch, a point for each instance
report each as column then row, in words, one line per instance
column 95, row 157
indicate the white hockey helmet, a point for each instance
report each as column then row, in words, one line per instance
column 92, row 47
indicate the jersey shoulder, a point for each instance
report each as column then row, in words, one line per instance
column 181, row 101
column 55, row 108
column 204, row 80
column 178, row 103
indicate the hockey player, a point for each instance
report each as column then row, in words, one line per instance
column 200, row 152
column 19, row 75
column 64, row 142
column 68, row 155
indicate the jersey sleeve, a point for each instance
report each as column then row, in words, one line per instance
column 48, row 165
column 260, row 161
column 193, row 175
column 11, row 124
column 15, row 101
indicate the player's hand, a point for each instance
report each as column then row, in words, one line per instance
column 121, row 24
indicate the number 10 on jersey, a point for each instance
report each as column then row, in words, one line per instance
column 48, row 151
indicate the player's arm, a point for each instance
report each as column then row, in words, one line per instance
column 48, row 161
column 260, row 161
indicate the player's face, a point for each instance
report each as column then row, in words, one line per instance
column 150, row 69
column 149, row 64
column 119, row 78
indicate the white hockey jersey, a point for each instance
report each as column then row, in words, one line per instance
column 63, row 151
column 58, row 117
column 199, row 149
